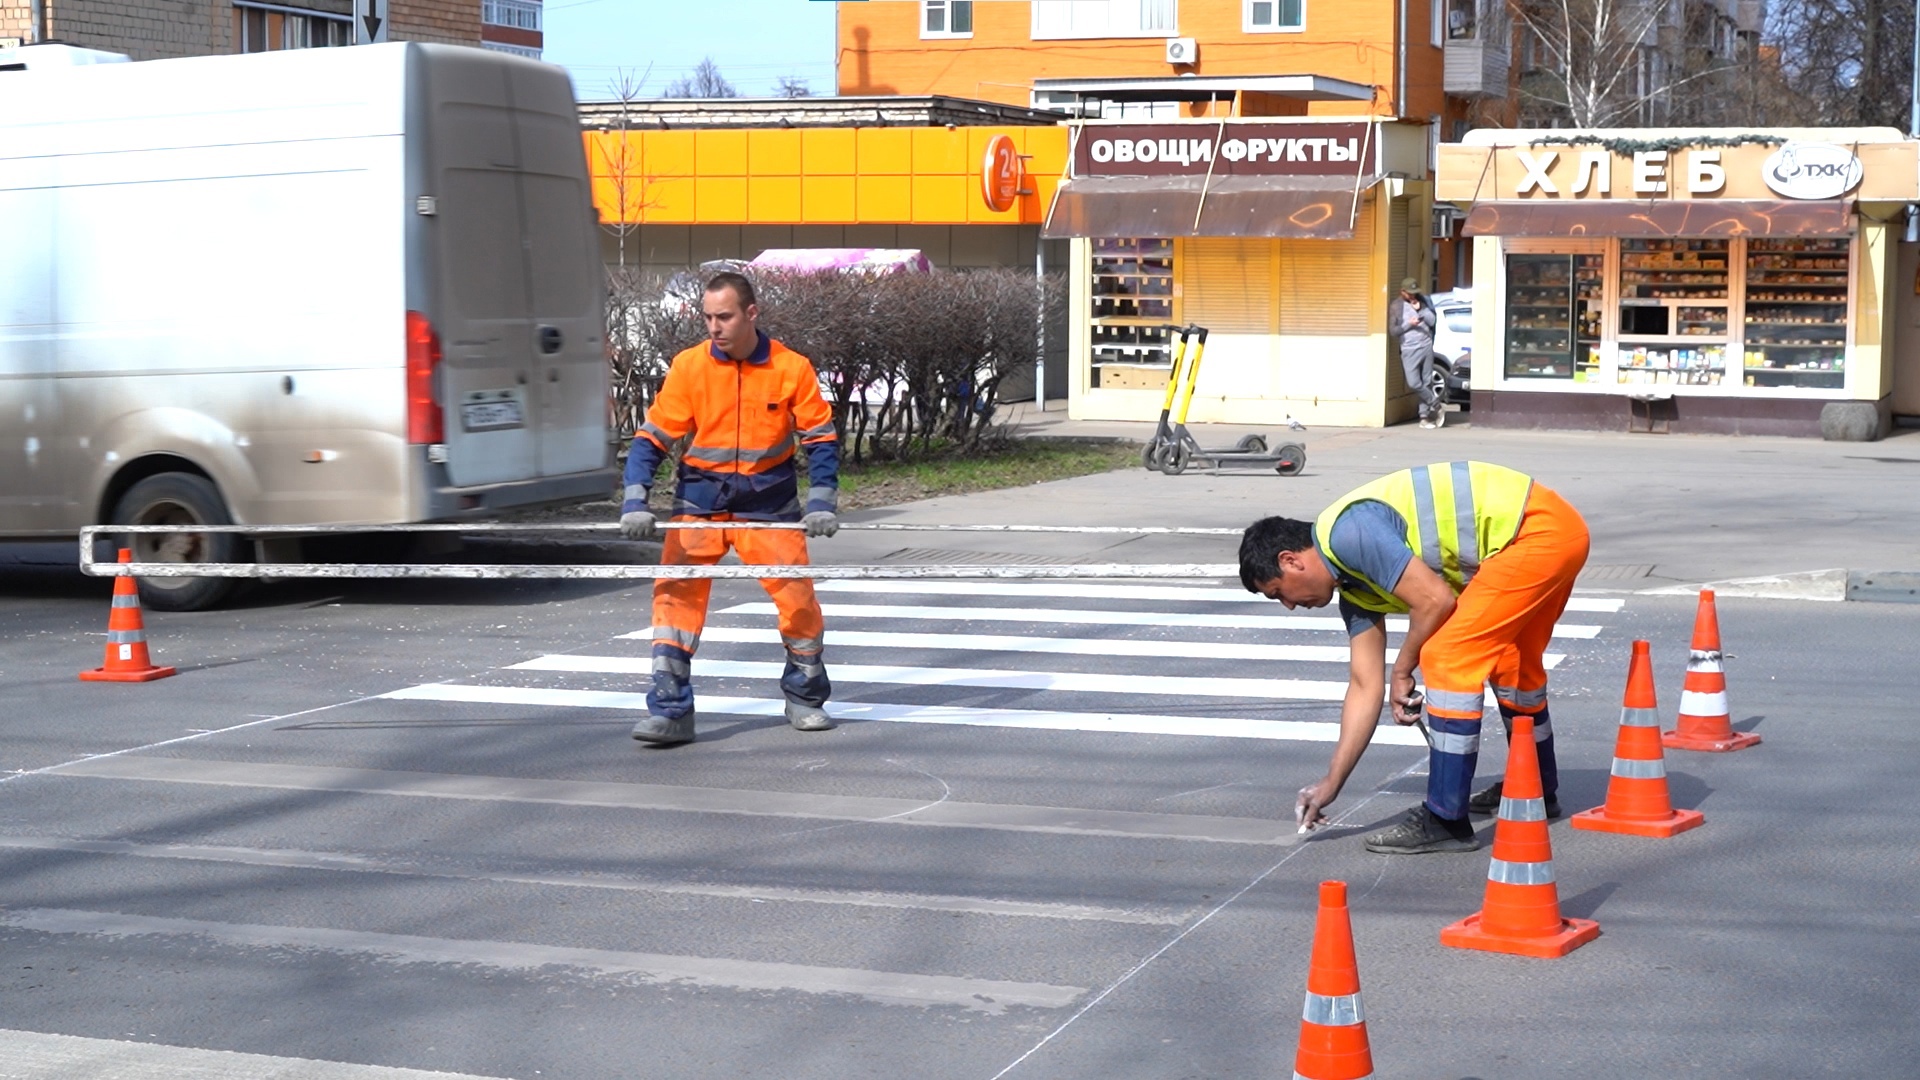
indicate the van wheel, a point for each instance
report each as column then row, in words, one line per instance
column 179, row 499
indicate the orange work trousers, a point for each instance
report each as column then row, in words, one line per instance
column 1499, row 631
column 680, row 612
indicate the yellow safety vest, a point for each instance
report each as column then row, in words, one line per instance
column 1439, row 503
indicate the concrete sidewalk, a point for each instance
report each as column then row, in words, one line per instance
column 1665, row 510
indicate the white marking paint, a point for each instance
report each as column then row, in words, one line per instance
column 864, row 809
column 988, row 643
column 1041, row 720
column 337, row 862
column 34, row 1055
column 884, row 987
column 1079, row 591
column 978, row 678
column 1326, row 623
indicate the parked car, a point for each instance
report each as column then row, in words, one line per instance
column 312, row 286
column 1453, row 346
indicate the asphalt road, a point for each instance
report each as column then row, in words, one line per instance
column 401, row 825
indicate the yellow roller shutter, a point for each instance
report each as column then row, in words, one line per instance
column 1228, row 283
column 1326, row 285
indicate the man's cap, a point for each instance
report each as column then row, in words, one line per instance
column 1409, row 285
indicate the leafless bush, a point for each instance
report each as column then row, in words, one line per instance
column 909, row 362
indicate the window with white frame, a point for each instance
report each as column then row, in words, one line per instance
column 1106, row 18
column 1275, row 15
column 515, row 50
column 260, row 27
column 1463, row 20
column 519, row 14
column 946, row 18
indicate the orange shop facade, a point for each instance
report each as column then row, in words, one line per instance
column 1714, row 281
column 1284, row 238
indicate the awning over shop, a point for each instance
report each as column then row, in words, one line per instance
column 1679, row 217
column 1113, row 207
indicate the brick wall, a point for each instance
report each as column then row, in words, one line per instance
column 16, row 20
column 455, row 22
column 156, row 29
column 143, row 29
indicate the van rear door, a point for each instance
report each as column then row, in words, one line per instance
column 518, row 296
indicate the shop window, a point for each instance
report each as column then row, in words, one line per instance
column 1104, row 18
column 1554, row 305
column 1133, row 311
column 269, row 29
column 1796, row 313
column 946, row 18
column 1266, row 16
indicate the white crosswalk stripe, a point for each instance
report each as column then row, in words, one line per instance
column 1155, row 681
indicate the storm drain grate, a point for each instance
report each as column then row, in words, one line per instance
column 1616, row 572
column 954, row 557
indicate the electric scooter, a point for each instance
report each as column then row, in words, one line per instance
column 1172, row 451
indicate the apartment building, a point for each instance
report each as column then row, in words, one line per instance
column 1611, row 63
column 159, row 29
column 1259, row 167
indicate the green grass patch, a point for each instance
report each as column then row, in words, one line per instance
column 1017, row 464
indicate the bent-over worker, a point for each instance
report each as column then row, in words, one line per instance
column 739, row 399
column 1481, row 559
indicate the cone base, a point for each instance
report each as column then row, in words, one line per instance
column 140, row 675
column 1596, row 820
column 1467, row 934
column 1713, row 744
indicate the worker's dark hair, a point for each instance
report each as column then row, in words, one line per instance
column 1262, row 543
column 742, row 288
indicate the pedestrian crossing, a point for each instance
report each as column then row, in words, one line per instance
column 1091, row 657
column 926, row 870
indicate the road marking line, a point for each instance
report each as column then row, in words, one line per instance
column 883, row 987
column 692, row 800
column 1076, row 591
column 1172, row 650
column 33, row 1055
column 979, row 678
column 337, row 862
column 1168, row 619
column 1034, row 719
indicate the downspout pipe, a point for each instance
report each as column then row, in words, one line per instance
column 39, row 21
column 1913, row 130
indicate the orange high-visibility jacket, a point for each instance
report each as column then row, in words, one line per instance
column 740, row 418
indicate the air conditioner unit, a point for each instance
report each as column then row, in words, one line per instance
column 1182, row 50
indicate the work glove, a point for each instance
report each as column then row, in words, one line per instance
column 821, row 523
column 639, row 525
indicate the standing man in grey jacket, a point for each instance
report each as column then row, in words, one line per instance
column 1411, row 320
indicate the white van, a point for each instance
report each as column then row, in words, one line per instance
column 340, row 286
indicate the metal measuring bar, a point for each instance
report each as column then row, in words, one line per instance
column 496, row 571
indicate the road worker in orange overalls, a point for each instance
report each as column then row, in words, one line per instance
column 740, row 400
column 1481, row 559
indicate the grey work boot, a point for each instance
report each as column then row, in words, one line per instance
column 658, row 730
column 807, row 717
column 1421, row 832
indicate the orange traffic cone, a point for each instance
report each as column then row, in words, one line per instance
column 1704, row 723
column 1521, row 914
column 1637, row 799
column 1333, row 1026
column 127, row 659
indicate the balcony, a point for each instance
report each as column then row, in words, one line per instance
column 1478, row 50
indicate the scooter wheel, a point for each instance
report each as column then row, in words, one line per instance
column 1174, row 461
column 1251, row 444
column 1293, row 458
column 1150, row 454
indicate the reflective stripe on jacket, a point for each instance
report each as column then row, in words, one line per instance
column 740, row 419
column 1439, row 503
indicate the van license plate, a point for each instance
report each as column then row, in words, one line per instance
column 491, row 415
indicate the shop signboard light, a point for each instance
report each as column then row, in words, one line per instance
column 1000, row 174
column 1804, row 170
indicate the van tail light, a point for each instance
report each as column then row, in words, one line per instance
column 426, row 421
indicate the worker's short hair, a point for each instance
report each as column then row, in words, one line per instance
column 742, row 288
column 1262, row 543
